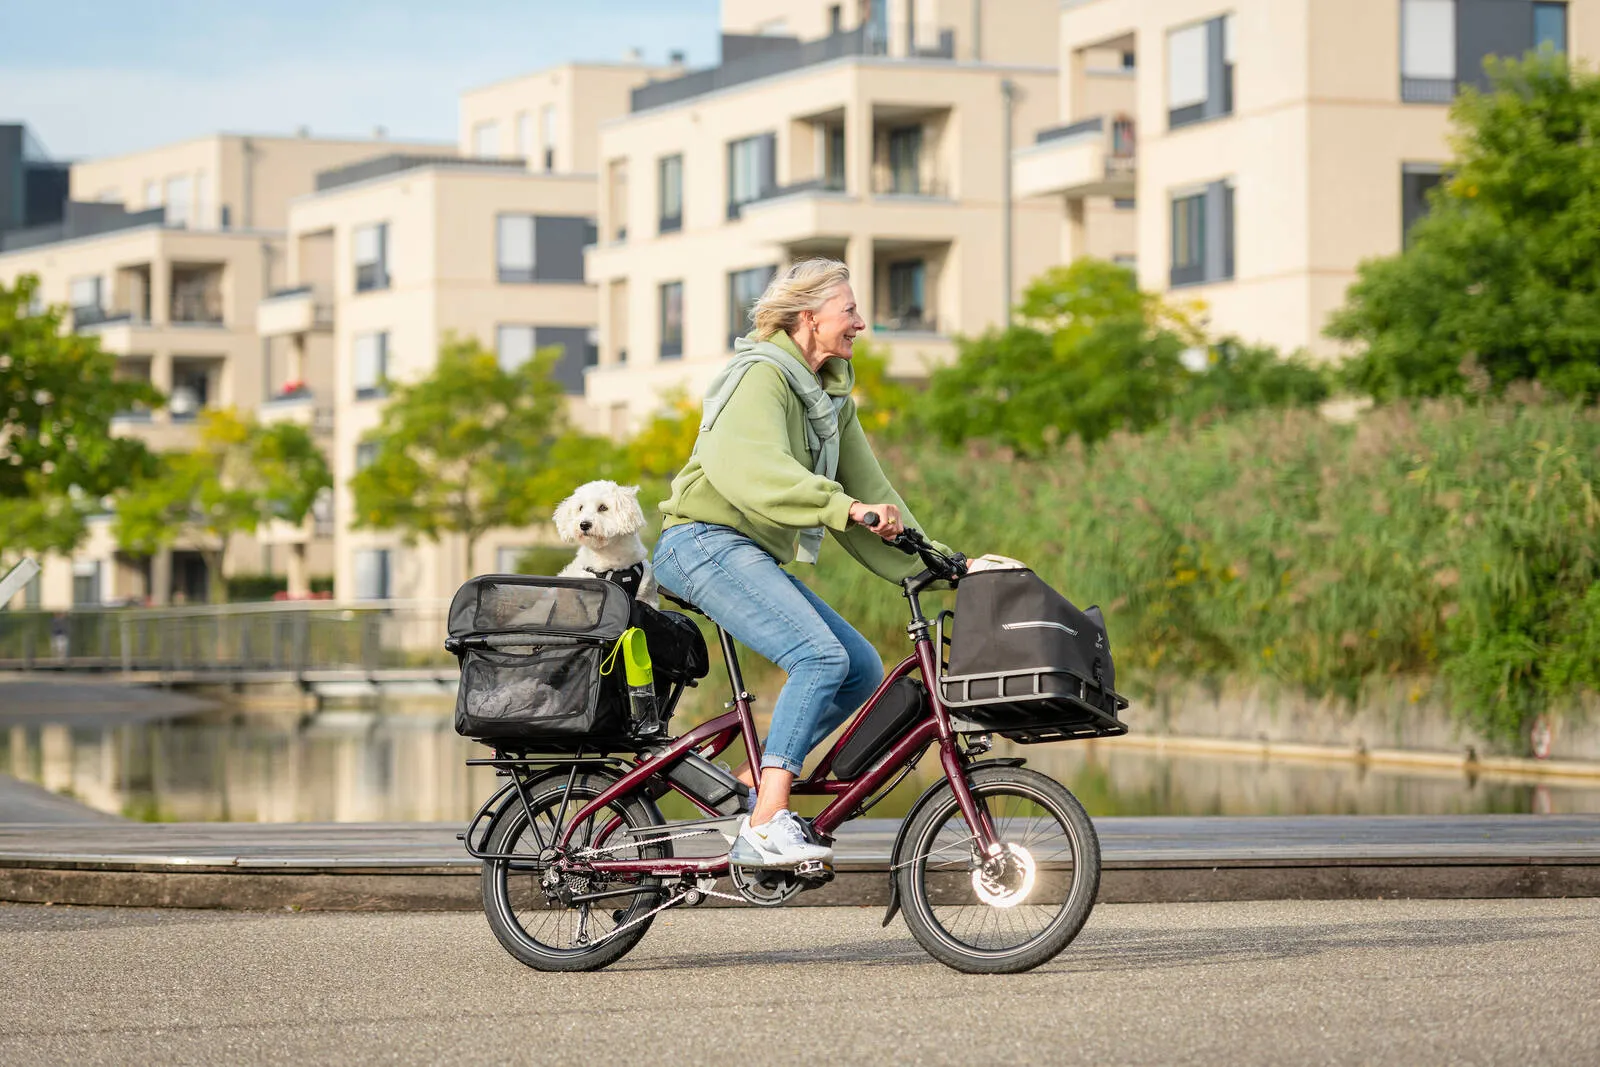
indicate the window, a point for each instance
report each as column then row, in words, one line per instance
column 191, row 391
column 672, row 320
column 486, row 139
column 514, row 346
column 86, row 582
column 179, row 208
column 907, row 295
column 835, row 19
column 905, row 160
column 371, row 364
column 516, row 251
column 1428, row 51
column 1125, row 203
column 152, row 195
column 1417, row 180
column 669, row 191
column 202, row 200
column 547, row 121
column 833, row 157
column 752, row 164
column 366, row 454
column 1200, row 72
column 1202, row 235
column 85, row 293
column 744, row 289
column 374, row 574
column 525, row 142
column 1550, row 26
column 372, row 257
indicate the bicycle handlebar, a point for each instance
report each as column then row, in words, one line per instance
column 912, row 543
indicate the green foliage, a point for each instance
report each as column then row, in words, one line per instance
column 1243, row 377
column 58, row 393
column 1501, row 281
column 884, row 405
column 545, row 559
column 1448, row 542
column 1092, row 355
column 473, row 447
column 241, row 475
column 661, row 447
column 248, row 587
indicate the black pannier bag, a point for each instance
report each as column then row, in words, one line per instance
column 531, row 650
column 1028, row 665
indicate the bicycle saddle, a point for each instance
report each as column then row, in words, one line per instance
column 678, row 600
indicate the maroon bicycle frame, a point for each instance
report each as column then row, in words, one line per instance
column 720, row 732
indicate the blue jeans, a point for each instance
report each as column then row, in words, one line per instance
column 832, row 669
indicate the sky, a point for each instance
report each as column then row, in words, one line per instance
column 95, row 78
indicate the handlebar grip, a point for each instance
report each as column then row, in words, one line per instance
column 870, row 519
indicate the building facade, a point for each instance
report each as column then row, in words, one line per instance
column 1267, row 147
column 881, row 144
column 173, row 289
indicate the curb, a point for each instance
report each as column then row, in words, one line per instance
column 458, row 888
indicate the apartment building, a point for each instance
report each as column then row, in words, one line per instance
column 881, row 143
column 390, row 257
column 174, row 290
column 1279, row 142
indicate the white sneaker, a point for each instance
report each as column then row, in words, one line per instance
column 779, row 842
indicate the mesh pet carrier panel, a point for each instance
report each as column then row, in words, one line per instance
column 530, row 650
column 1027, row 663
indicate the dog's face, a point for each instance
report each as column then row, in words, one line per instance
column 598, row 512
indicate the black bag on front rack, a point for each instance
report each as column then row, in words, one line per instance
column 1027, row 664
column 541, row 681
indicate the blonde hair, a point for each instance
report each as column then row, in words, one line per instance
column 805, row 286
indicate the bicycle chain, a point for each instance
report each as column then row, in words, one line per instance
column 590, row 852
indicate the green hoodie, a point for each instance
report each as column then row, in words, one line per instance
column 752, row 472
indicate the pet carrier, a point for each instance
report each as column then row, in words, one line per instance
column 1026, row 664
column 531, row 651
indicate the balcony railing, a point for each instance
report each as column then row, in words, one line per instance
column 811, row 185
column 92, row 317
column 902, row 183
column 906, row 322
column 1427, row 90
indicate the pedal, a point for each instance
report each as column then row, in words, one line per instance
column 814, row 873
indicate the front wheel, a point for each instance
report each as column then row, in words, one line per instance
column 1015, row 909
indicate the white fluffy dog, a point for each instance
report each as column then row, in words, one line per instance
column 604, row 519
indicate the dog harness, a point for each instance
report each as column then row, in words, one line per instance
column 630, row 578
column 822, row 415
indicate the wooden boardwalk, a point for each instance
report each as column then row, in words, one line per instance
column 1168, row 858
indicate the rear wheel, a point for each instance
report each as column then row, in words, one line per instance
column 521, row 897
column 1016, row 909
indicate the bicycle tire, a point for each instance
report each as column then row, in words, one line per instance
column 499, row 905
column 918, row 848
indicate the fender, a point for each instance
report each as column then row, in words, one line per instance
column 513, row 800
column 922, row 801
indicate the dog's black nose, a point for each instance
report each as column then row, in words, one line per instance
column 585, row 525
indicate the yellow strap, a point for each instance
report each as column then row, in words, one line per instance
column 611, row 661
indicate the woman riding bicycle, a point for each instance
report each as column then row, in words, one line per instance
column 779, row 457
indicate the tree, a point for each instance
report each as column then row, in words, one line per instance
column 58, row 458
column 242, row 475
column 1092, row 354
column 473, row 447
column 1241, row 377
column 1501, row 280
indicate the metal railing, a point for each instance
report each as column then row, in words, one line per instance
column 888, row 182
column 229, row 640
column 1427, row 90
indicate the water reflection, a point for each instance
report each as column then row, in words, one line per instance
column 407, row 764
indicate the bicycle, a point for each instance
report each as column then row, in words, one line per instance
column 995, row 868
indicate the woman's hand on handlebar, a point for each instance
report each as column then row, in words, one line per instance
column 887, row 516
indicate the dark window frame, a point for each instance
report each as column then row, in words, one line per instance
column 1206, row 219
column 373, row 275
column 671, row 346
column 669, row 221
column 377, row 389
column 739, row 310
column 1565, row 11
column 1218, row 103
column 766, row 171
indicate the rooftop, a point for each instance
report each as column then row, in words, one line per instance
column 394, row 163
column 81, row 219
column 748, row 58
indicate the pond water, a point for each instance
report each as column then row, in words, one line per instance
column 403, row 762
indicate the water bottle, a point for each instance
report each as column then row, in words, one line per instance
column 644, row 716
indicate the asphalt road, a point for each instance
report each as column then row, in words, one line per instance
column 1371, row 982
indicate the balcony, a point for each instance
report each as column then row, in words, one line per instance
column 1095, row 157
column 196, row 296
column 831, row 187
column 293, row 311
column 297, row 404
